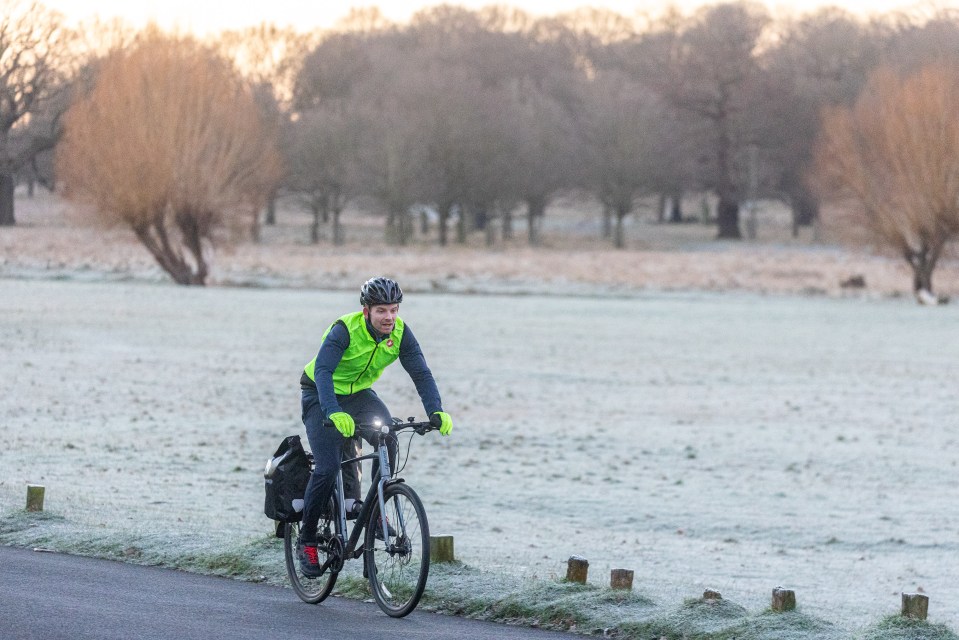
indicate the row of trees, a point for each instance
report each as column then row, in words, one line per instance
column 480, row 115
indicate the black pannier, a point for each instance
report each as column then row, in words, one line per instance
column 286, row 474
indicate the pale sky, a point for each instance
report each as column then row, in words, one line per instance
column 206, row 16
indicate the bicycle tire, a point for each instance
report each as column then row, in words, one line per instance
column 309, row 590
column 398, row 579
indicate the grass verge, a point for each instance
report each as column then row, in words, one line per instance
column 460, row 590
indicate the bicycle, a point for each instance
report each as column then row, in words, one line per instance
column 395, row 549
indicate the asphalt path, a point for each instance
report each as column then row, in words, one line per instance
column 49, row 596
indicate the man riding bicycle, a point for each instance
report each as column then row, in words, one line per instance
column 337, row 385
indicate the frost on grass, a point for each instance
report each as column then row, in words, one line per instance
column 899, row 628
column 462, row 590
column 458, row 589
column 254, row 560
column 141, row 456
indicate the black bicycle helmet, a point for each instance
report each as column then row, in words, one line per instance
column 380, row 290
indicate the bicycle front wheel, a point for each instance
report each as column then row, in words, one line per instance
column 311, row 590
column 398, row 565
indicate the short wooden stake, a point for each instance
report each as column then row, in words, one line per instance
column 783, row 599
column 441, row 549
column 915, row 605
column 35, row 497
column 712, row 595
column 576, row 569
column 621, row 579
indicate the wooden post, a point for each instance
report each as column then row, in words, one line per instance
column 621, row 579
column 576, row 569
column 441, row 549
column 711, row 595
column 35, row 497
column 783, row 599
column 915, row 605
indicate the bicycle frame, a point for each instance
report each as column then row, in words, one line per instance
column 386, row 478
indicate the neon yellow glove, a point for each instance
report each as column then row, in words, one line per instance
column 446, row 422
column 343, row 423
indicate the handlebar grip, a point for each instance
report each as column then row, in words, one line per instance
column 435, row 421
column 328, row 423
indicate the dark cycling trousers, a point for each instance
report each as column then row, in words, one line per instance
column 329, row 446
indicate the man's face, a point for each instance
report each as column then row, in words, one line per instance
column 382, row 316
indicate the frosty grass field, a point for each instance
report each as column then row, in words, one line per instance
column 732, row 441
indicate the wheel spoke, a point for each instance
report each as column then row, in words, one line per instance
column 310, row 590
column 400, row 564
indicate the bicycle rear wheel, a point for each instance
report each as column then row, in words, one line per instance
column 398, row 566
column 313, row 590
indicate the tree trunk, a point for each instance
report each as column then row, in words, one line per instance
column 270, row 210
column 479, row 218
column 607, row 221
column 805, row 210
column 153, row 236
column 676, row 206
column 7, row 185
column 444, row 210
column 535, row 207
column 192, row 237
column 465, row 212
column 255, row 226
column 398, row 226
column 727, row 216
column 923, row 263
column 337, row 226
column 728, row 219
column 619, row 235
column 319, row 214
column 406, row 227
column 507, row 223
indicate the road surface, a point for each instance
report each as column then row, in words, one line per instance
column 50, row 596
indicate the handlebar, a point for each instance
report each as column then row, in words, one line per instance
column 373, row 428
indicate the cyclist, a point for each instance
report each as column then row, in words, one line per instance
column 337, row 385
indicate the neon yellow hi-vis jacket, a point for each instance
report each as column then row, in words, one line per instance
column 365, row 359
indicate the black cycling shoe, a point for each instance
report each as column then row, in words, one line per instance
column 309, row 559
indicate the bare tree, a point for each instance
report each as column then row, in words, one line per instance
column 322, row 149
column 822, row 59
column 622, row 142
column 895, row 154
column 547, row 155
column 33, row 68
column 269, row 57
column 708, row 67
column 169, row 142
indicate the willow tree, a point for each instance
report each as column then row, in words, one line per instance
column 169, row 141
column 895, row 156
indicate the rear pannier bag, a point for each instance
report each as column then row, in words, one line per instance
column 286, row 474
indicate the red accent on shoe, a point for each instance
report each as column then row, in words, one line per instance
column 311, row 555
